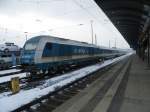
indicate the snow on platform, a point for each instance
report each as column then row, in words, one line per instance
column 8, row 78
column 13, row 102
column 8, row 71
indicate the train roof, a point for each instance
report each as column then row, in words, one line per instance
column 65, row 41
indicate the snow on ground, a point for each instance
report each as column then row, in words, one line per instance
column 10, row 103
column 15, row 66
column 8, row 71
column 4, row 94
column 8, row 78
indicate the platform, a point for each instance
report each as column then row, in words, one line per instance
column 137, row 94
column 130, row 92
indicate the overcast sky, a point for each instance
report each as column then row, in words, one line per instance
column 62, row 18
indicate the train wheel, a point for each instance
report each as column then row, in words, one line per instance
column 51, row 71
column 41, row 71
column 46, row 72
column 28, row 74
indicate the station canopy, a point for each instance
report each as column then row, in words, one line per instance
column 131, row 17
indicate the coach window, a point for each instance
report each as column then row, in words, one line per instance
column 48, row 46
column 47, row 50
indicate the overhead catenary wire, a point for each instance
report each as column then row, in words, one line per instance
column 85, row 9
column 91, row 15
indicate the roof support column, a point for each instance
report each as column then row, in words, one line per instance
column 148, row 47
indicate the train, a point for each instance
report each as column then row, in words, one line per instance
column 44, row 53
column 9, row 59
column 5, row 61
column 9, row 55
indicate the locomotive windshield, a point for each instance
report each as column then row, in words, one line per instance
column 32, row 43
column 30, row 46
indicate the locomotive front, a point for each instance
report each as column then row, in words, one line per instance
column 28, row 53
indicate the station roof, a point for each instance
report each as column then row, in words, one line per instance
column 131, row 17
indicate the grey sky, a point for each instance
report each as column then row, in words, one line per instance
column 62, row 18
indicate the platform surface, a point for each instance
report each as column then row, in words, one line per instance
column 134, row 95
column 137, row 93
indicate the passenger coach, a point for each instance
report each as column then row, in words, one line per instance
column 45, row 53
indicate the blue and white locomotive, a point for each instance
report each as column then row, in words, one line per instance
column 45, row 53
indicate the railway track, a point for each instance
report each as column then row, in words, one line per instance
column 29, row 83
column 68, row 88
column 60, row 95
column 26, row 83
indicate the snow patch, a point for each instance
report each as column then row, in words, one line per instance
column 8, row 78
column 9, row 71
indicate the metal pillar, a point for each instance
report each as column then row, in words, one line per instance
column 95, row 39
column 26, row 35
column 92, row 30
column 148, row 44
